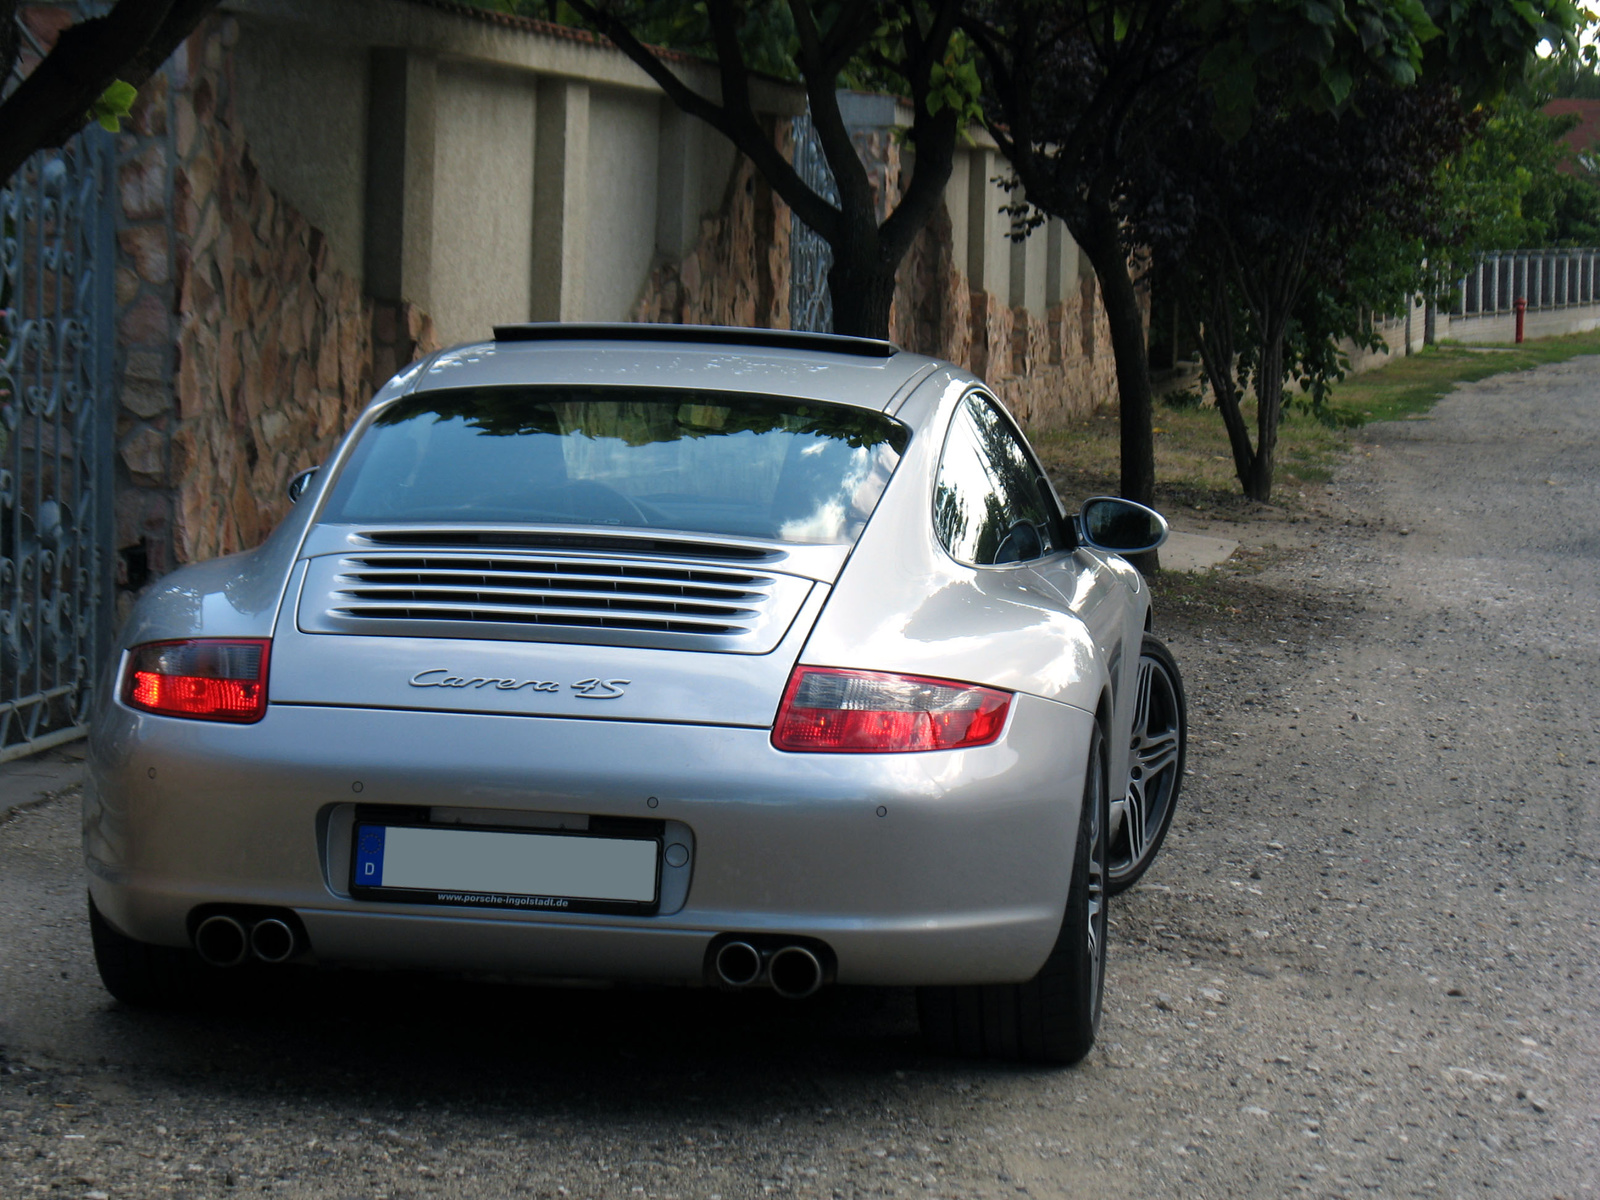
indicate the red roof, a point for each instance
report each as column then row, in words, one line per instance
column 1585, row 134
column 547, row 28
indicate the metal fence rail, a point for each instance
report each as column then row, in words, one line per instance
column 810, row 259
column 56, row 264
column 1546, row 279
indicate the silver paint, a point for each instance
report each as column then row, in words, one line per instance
column 962, row 878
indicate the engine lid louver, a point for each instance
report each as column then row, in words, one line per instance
column 609, row 600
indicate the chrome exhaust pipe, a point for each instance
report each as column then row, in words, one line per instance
column 272, row 940
column 795, row 973
column 221, row 941
column 738, row 964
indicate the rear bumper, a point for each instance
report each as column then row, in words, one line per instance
column 963, row 878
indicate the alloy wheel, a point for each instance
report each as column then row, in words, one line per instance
column 1155, row 768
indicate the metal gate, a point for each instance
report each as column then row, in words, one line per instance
column 810, row 305
column 56, row 405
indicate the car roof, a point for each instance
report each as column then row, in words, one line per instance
column 863, row 372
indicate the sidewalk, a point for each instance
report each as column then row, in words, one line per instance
column 1194, row 552
column 24, row 780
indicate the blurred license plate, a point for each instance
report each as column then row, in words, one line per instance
column 495, row 869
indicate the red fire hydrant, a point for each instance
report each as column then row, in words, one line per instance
column 1522, row 310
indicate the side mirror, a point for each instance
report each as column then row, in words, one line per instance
column 1022, row 543
column 299, row 484
column 1120, row 526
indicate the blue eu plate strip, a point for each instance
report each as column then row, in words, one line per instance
column 369, row 856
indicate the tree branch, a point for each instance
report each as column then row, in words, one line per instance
column 849, row 173
column 738, row 124
column 53, row 103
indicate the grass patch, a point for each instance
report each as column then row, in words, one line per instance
column 1194, row 464
column 1411, row 385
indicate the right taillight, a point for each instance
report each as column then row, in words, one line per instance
column 209, row 679
column 830, row 710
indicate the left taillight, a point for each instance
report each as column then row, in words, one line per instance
column 208, row 679
column 829, row 710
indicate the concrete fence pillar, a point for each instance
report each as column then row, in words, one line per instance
column 1494, row 283
column 987, row 251
column 560, row 199
column 398, row 249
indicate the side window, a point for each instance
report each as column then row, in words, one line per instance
column 990, row 505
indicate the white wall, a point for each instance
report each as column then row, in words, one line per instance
column 411, row 135
column 303, row 105
column 483, row 201
column 621, row 242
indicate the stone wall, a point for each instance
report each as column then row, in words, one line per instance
column 1061, row 366
column 274, row 347
column 245, row 355
column 1048, row 368
column 738, row 271
column 245, row 352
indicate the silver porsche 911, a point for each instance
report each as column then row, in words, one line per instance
column 661, row 654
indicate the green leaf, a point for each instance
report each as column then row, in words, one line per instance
column 113, row 104
column 1338, row 82
column 1319, row 14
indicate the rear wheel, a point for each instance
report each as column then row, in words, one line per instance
column 1142, row 815
column 143, row 975
column 1053, row 1017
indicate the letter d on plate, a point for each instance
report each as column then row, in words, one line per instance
column 369, row 856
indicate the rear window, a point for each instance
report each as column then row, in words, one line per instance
column 706, row 462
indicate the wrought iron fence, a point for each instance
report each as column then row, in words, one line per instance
column 56, row 264
column 1544, row 278
column 810, row 259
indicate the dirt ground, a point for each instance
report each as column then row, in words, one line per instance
column 1365, row 965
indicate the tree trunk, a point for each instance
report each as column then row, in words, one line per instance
column 1227, row 398
column 1103, row 244
column 1269, row 410
column 862, row 294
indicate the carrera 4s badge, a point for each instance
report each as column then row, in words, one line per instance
column 586, row 689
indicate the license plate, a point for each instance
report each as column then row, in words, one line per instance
column 484, row 868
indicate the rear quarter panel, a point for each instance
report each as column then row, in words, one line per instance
column 903, row 604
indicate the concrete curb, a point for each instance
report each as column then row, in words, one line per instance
column 26, row 781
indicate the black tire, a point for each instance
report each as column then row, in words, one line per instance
column 1160, row 737
column 143, row 975
column 1054, row 1017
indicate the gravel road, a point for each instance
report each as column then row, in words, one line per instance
column 1366, row 964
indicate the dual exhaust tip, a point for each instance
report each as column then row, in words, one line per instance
column 224, row 941
column 794, row 972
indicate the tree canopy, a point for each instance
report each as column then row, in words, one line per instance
column 1086, row 98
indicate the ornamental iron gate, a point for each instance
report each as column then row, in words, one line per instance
column 56, row 265
column 810, row 259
